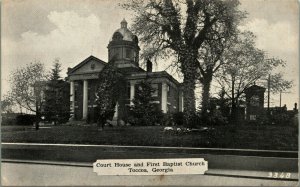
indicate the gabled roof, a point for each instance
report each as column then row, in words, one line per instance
column 70, row 71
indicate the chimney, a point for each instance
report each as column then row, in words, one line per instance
column 149, row 66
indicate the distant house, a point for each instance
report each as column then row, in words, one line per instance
column 124, row 47
column 280, row 115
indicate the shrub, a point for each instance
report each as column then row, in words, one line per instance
column 196, row 121
column 178, row 118
column 261, row 120
column 25, row 119
column 167, row 120
column 8, row 121
column 281, row 119
column 64, row 118
column 216, row 118
column 157, row 116
column 144, row 109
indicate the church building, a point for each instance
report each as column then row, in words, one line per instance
column 124, row 47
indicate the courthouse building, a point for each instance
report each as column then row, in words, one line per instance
column 124, row 47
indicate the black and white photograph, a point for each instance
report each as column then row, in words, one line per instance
column 149, row 92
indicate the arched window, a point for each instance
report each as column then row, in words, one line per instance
column 117, row 36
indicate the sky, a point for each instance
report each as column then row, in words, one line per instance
column 72, row 30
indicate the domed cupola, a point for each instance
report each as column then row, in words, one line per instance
column 123, row 47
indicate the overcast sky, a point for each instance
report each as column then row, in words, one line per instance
column 72, row 30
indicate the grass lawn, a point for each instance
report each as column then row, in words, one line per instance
column 241, row 137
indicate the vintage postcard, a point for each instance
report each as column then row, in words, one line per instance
column 149, row 92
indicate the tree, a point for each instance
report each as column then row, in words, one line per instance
column 210, row 60
column 111, row 86
column 27, row 88
column 278, row 83
column 246, row 65
column 6, row 104
column 56, row 70
column 223, row 102
column 144, row 110
column 57, row 94
column 175, row 28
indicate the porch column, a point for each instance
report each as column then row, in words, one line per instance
column 116, row 114
column 72, row 100
column 85, row 99
column 132, row 92
column 180, row 101
column 164, row 97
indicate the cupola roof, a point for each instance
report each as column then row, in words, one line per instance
column 123, row 33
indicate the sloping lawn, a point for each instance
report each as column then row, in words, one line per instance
column 241, row 137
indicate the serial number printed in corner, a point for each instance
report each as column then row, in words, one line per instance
column 180, row 166
column 281, row 175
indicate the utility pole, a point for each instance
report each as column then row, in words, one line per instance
column 280, row 99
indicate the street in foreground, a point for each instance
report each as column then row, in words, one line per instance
column 49, row 162
column 15, row 174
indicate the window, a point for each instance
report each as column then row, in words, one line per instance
column 128, row 90
column 76, row 86
column 252, row 117
column 90, row 94
column 115, row 53
column 93, row 66
column 254, row 100
column 155, row 88
column 168, row 107
column 117, row 36
column 128, row 53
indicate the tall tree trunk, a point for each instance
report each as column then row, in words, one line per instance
column 233, row 115
column 189, row 98
column 234, row 112
column 189, row 70
column 205, row 93
column 100, row 123
column 37, row 119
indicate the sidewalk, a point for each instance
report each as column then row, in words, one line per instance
column 217, row 158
